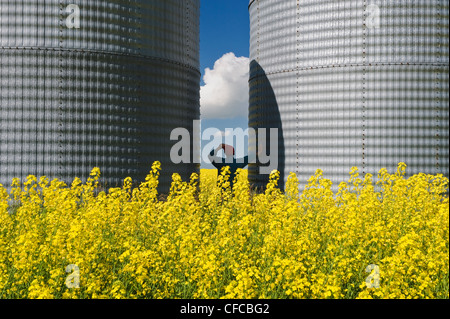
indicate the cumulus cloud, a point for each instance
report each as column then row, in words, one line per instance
column 225, row 93
column 222, row 133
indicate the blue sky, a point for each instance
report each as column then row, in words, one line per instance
column 224, row 29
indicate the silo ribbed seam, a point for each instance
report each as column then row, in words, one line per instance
column 60, row 89
column 298, row 89
column 438, row 85
column 364, row 71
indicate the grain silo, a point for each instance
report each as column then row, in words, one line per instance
column 95, row 83
column 351, row 83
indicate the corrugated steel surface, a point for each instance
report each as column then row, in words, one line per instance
column 107, row 94
column 346, row 91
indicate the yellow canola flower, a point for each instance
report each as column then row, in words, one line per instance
column 206, row 239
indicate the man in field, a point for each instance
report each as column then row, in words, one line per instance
column 229, row 160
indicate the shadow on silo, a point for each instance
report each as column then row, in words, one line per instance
column 264, row 112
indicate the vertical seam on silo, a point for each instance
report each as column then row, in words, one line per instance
column 1, row 103
column 437, row 84
column 298, row 83
column 60, row 93
column 70, row 118
column 257, row 30
column 98, row 153
column 1, row 94
column 185, row 75
column 259, row 93
column 36, row 89
column 188, row 52
column 20, row 54
column 140, row 80
column 44, row 85
column 186, row 57
column 364, row 90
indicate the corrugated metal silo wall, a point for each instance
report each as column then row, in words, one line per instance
column 349, row 90
column 107, row 94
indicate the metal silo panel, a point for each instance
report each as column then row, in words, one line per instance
column 351, row 90
column 328, row 123
column 107, row 94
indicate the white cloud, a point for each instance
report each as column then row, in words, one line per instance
column 225, row 93
column 222, row 133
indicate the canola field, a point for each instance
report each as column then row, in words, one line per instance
column 388, row 239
